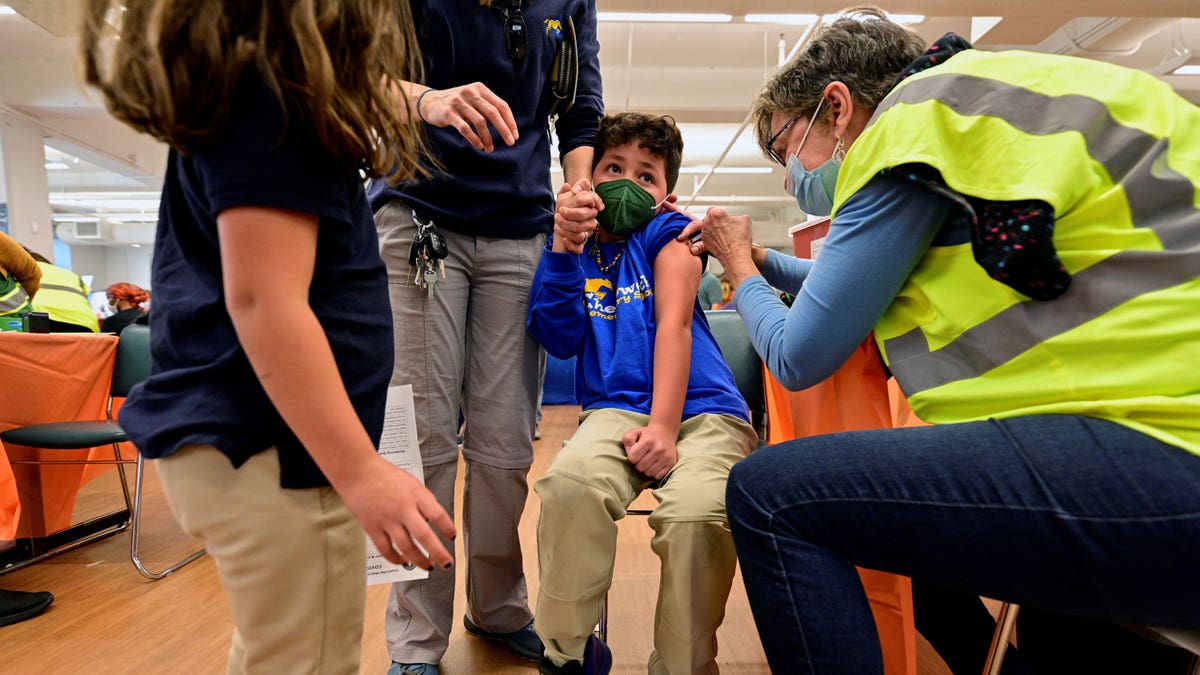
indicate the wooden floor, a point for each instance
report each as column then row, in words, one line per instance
column 107, row 619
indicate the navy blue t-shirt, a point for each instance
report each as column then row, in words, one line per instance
column 505, row 193
column 201, row 388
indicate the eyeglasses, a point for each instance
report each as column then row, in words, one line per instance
column 515, row 43
column 774, row 137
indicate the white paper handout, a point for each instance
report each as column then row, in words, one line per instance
column 399, row 446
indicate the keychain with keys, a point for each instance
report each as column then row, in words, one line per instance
column 427, row 254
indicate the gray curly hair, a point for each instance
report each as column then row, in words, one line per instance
column 862, row 49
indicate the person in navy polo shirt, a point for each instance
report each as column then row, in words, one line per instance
column 271, row 311
column 486, row 103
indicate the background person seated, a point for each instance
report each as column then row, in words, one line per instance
column 127, row 299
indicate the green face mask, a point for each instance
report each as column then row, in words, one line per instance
column 627, row 207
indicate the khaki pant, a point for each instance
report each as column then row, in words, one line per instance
column 292, row 562
column 588, row 488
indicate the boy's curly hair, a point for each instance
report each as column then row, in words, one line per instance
column 658, row 134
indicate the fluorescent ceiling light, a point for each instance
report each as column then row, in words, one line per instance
column 786, row 19
column 980, row 25
column 57, row 166
column 635, row 17
column 69, row 218
column 5, row 9
column 1193, row 69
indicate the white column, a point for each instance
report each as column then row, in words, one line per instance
column 23, row 184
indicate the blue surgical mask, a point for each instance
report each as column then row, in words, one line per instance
column 814, row 189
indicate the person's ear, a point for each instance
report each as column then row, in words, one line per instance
column 841, row 107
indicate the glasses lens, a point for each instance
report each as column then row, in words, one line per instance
column 775, row 137
column 514, row 35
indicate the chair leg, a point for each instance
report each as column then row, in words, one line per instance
column 133, row 540
column 1004, row 628
column 602, row 627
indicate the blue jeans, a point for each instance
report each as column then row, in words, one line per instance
column 1067, row 513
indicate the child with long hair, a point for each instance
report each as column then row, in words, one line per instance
column 271, row 335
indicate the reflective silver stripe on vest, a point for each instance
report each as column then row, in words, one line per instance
column 13, row 302
column 1160, row 199
column 70, row 289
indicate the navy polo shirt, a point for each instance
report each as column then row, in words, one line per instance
column 202, row 389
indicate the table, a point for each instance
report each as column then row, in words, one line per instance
column 50, row 378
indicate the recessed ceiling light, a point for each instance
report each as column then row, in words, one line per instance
column 635, row 17
column 56, row 166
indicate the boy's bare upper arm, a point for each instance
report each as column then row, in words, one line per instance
column 676, row 280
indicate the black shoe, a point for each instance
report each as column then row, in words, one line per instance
column 524, row 642
column 16, row 606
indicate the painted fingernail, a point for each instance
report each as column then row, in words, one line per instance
column 429, row 569
column 448, row 565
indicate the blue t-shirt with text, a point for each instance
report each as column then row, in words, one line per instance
column 608, row 322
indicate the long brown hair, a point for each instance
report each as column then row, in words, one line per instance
column 170, row 68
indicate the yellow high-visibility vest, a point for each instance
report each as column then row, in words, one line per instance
column 14, row 301
column 1117, row 154
column 64, row 297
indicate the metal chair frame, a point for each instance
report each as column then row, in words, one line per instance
column 132, row 366
column 1006, row 621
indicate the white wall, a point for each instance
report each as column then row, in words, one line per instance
column 110, row 264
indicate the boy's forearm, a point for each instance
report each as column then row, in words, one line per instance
column 672, row 366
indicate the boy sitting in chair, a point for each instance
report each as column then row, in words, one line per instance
column 660, row 410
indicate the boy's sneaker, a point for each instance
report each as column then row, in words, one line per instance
column 597, row 660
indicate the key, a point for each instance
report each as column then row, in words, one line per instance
column 430, row 278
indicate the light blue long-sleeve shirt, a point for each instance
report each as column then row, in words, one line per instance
column 873, row 245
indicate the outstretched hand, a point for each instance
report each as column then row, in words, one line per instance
column 396, row 511
column 470, row 108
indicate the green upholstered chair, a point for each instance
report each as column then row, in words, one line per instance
column 132, row 366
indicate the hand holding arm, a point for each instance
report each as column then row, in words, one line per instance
column 575, row 216
column 727, row 238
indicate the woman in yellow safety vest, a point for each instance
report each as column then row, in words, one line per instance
column 64, row 297
column 1021, row 232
